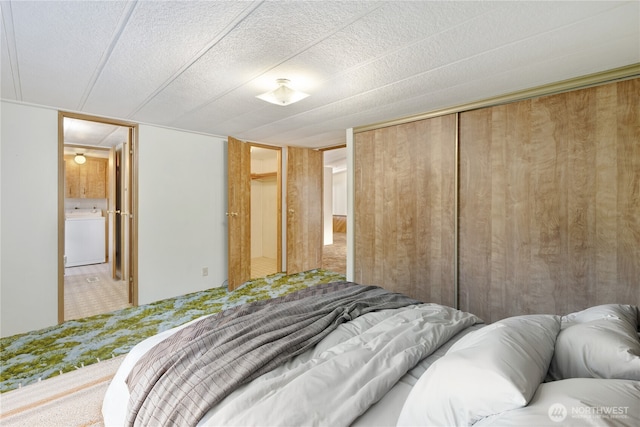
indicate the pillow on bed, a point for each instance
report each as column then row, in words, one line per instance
column 576, row 402
column 627, row 313
column 599, row 342
column 494, row 369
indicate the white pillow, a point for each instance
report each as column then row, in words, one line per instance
column 576, row 402
column 486, row 372
column 599, row 342
column 627, row 313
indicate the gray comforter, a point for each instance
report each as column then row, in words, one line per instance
column 181, row 378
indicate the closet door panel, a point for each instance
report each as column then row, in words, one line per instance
column 365, row 207
column 628, row 195
column 564, row 203
column 494, row 227
column 549, row 203
column 475, row 211
column 404, row 208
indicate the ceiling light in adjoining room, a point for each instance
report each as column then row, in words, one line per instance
column 80, row 159
column 283, row 95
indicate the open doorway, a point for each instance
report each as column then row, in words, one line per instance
column 266, row 226
column 334, row 252
column 96, row 216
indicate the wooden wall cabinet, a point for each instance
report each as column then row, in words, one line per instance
column 87, row 181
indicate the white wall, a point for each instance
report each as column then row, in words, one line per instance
column 256, row 219
column 264, row 209
column 270, row 219
column 182, row 227
column 340, row 193
column 182, row 200
column 29, row 218
column 264, row 218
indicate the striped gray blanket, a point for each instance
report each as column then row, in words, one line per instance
column 182, row 377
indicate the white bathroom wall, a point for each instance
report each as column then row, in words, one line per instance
column 182, row 226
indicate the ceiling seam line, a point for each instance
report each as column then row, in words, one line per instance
column 271, row 67
column 422, row 73
column 393, row 103
column 11, row 47
column 440, row 67
column 337, row 75
column 107, row 53
column 466, row 22
column 221, row 36
column 459, row 60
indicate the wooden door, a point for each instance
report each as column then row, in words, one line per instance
column 124, row 206
column 239, row 211
column 120, row 213
column 304, row 209
column 111, row 213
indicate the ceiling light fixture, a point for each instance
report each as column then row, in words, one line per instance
column 283, row 95
column 80, row 159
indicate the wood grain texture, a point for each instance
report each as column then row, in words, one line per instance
column 404, row 208
column 239, row 212
column 339, row 223
column 304, row 209
column 87, row 181
column 96, row 178
column 628, row 183
column 550, row 203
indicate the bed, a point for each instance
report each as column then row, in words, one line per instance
column 346, row 354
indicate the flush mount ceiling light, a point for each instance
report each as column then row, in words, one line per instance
column 283, row 94
column 80, row 159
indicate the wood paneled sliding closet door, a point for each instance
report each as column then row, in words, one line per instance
column 550, row 203
column 404, row 208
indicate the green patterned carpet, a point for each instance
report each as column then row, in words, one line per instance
column 30, row 357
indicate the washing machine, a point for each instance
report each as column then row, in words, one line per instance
column 84, row 237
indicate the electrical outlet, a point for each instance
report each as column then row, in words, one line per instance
column 205, row 271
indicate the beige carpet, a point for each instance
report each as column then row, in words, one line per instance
column 334, row 257
column 73, row 399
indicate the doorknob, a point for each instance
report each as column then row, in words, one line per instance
column 231, row 214
column 291, row 211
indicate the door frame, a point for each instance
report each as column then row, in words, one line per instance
column 278, row 151
column 133, row 285
column 304, row 253
column 240, row 170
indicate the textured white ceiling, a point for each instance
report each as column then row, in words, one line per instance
column 198, row 65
